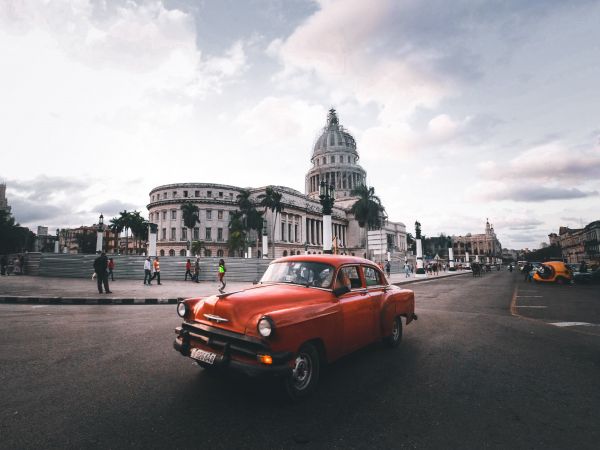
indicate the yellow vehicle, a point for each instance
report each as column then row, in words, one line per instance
column 553, row 272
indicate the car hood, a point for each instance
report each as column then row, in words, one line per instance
column 240, row 311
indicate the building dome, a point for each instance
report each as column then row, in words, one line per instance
column 334, row 160
column 334, row 138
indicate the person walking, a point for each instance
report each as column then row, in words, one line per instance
column 526, row 269
column 148, row 271
column 221, row 275
column 111, row 267
column 388, row 268
column 188, row 270
column 407, row 270
column 100, row 267
column 3, row 264
column 156, row 266
column 197, row 270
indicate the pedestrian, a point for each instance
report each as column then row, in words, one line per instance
column 526, row 269
column 3, row 264
column 188, row 270
column 407, row 270
column 156, row 267
column 22, row 264
column 221, row 275
column 388, row 268
column 111, row 267
column 197, row 270
column 100, row 267
column 583, row 267
column 148, row 271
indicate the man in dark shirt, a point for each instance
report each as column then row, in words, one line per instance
column 100, row 267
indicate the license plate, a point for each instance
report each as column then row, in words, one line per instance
column 202, row 356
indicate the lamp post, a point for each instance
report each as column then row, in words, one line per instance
column 326, row 198
column 57, row 242
column 100, row 234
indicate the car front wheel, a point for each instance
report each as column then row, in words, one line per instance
column 394, row 339
column 305, row 374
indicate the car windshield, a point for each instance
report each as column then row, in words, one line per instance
column 306, row 273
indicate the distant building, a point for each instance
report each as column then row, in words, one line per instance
column 485, row 246
column 591, row 242
column 3, row 201
column 571, row 243
column 298, row 228
column 554, row 239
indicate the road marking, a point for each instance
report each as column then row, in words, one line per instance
column 39, row 306
column 513, row 302
column 523, row 306
column 530, row 296
column 574, row 324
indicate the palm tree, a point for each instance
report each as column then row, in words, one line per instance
column 271, row 199
column 368, row 210
column 237, row 233
column 197, row 247
column 190, row 219
column 139, row 228
column 116, row 226
column 250, row 218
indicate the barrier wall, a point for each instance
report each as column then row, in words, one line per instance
column 132, row 266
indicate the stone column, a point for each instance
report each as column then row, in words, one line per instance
column 467, row 257
column 327, row 234
column 99, row 239
column 419, row 260
column 152, row 234
column 451, row 257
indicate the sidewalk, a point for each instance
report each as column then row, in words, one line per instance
column 30, row 289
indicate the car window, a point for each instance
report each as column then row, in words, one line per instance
column 307, row 273
column 372, row 277
column 348, row 276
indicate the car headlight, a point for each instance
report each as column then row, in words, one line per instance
column 182, row 309
column 265, row 326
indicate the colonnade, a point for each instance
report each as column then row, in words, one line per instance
column 339, row 179
column 314, row 232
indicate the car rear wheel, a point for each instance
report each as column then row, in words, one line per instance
column 395, row 338
column 305, row 374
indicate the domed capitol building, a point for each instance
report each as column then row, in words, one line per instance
column 299, row 227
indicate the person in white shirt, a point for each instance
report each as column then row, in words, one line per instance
column 147, row 271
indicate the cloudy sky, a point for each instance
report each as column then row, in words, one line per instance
column 462, row 110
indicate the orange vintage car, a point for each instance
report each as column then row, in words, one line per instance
column 305, row 311
column 553, row 272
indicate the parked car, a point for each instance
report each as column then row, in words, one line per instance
column 553, row 272
column 587, row 277
column 306, row 311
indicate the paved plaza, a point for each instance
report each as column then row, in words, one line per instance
column 78, row 290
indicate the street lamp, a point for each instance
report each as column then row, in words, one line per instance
column 327, row 199
column 100, row 234
column 57, row 242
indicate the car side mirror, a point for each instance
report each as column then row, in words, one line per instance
column 339, row 291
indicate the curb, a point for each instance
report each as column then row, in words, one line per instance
column 87, row 301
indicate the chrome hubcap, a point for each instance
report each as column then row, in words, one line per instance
column 302, row 372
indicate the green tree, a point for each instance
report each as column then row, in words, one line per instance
column 86, row 241
column 271, row 199
column 116, row 226
column 250, row 218
column 368, row 210
column 139, row 229
column 236, row 240
column 190, row 219
column 197, row 247
column 13, row 237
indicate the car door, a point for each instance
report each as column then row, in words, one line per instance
column 358, row 327
column 376, row 288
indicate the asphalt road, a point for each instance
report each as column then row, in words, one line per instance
column 468, row 374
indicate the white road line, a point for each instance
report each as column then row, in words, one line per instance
column 524, row 306
column 574, row 324
column 529, row 296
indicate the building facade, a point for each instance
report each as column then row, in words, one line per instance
column 483, row 247
column 571, row 244
column 297, row 229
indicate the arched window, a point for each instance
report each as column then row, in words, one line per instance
column 285, row 253
column 171, row 252
column 162, row 253
column 292, row 253
column 220, row 253
column 207, row 252
column 182, row 252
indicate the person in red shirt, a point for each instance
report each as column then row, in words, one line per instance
column 111, row 266
column 188, row 270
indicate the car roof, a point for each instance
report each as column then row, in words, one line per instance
column 334, row 260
